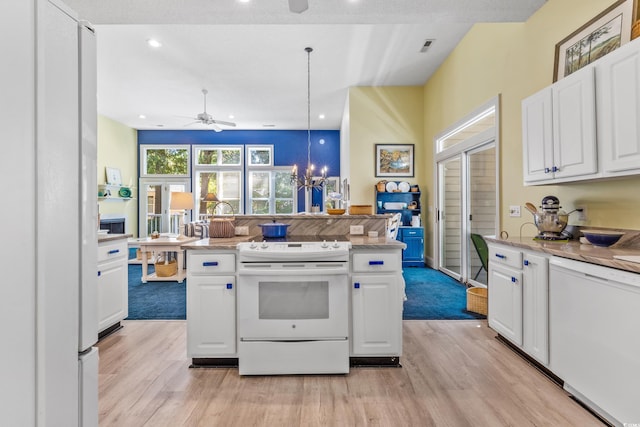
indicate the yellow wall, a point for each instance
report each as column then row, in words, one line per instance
column 117, row 148
column 383, row 115
column 516, row 60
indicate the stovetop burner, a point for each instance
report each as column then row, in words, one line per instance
column 551, row 237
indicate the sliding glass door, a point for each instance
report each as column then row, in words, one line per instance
column 467, row 196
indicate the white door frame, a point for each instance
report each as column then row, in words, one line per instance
column 464, row 148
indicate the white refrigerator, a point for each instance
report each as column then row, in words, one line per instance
column 67, row 224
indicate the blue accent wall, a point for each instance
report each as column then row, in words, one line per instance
column 289, row 146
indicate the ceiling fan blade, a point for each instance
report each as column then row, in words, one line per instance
column 221, row 122
column 192, row 123
column 215, row 127
column 298, row 6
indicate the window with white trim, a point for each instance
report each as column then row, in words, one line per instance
column 270, row 191
column 217, row 170
column 164, row 160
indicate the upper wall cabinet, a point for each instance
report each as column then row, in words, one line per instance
column 559, row 131
column 618, row 97
column 587, row 125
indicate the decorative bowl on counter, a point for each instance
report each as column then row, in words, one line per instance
column 336, row 211
column 602, row 238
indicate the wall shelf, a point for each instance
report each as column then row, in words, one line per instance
column 110, row 192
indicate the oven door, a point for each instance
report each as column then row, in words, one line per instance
column 293, row 301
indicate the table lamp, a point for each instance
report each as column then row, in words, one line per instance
column 181, row 201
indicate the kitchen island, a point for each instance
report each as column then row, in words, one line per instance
column 370, row 283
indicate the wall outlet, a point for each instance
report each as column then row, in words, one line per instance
column 581, row 215
column 356, row 230
column 514, row 210
column 242, row 230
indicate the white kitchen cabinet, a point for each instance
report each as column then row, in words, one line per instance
column 376, row 298
column 211, row 304
column 559, row 131
column 518, row 299
column 618, row 99
column 113, row 291
column 535, row 306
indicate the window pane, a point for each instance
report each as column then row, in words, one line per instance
column 230, row 185
column 284, row 187
column 206, row 182
column 231, row 156
column 260, row 156
column 284, row 206
column 207, row 157
column 260, row 185
column 260, row 206
column 167, row 161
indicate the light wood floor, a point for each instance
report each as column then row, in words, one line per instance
column 455, row 373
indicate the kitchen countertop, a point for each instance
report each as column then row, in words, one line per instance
column 110, row 237
column 357, row 242
column 573, row 249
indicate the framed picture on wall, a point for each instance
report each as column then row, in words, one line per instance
column 394, row 160
column 113, row 176
column 603, row 34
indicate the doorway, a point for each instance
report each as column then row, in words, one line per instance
column 154, row 202
column 467, row 193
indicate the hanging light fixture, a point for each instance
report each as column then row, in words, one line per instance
column 307, row 181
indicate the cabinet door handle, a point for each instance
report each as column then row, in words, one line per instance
column 555, row 169
column 356, row 285
column 547, row 170
column 114, row 251
column 99, row 273
column 376, row 262
column 514, row 280
column 210, row 263
column 526, row 262
column 229, row 285
column 501, row 256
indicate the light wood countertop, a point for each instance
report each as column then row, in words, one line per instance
column 573, row 249
column 357, row 242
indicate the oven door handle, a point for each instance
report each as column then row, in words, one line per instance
column 376, row 262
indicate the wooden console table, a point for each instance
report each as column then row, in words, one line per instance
column 162, row 244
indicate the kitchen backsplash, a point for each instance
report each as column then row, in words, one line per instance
column 315, row 225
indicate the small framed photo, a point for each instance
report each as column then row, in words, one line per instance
column 394, row 160
column 113, row 176
column 604, row 33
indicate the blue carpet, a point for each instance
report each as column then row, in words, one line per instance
column 155, row 300
column 432, row 295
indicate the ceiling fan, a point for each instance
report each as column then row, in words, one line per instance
column 206, row 118
column 298, row 6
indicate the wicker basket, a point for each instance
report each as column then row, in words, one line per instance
column 477, row 300
column 360, row 209
column 166, row 270
column 139, row 254
column 222, row 227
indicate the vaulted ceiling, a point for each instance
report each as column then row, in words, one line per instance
column 250, row 55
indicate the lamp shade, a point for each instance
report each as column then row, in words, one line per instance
column 181, row 200
column 210, row 197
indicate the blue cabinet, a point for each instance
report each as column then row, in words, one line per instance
column 406, row 203
column 413, row 237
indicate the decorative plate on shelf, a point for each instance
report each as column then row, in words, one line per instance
column 391, row 186
column 125, row 192
column 404, row 187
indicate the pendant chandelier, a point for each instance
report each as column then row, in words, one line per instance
column 307, row 181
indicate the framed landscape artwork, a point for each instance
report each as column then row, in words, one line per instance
column 394, row 160
column 601, row 35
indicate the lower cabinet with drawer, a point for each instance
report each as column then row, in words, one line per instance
column 377, row 290
column 113, row 291
column 211, row 305
column 519, row 299
column 413, row 254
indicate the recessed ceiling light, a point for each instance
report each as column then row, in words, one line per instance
column 142, row 116
column 321, row 116
column 154, row 43
column 244, row 1
column 231, row 116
